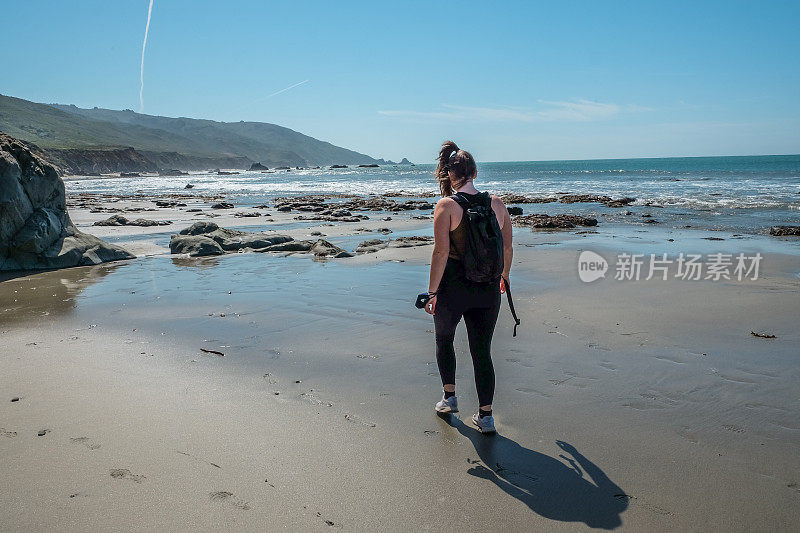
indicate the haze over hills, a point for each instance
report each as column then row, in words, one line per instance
column 104, row 140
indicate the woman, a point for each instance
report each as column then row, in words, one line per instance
column 454, row 296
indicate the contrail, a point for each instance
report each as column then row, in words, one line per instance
column 286, row 89
column 144, row 45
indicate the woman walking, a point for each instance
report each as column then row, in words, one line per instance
column 454, row 295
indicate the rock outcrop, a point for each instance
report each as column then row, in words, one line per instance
column 207, row 238
column 258, row 166
column 553, row 221
column 784, row 231
column 119, row 220
column 35, row 229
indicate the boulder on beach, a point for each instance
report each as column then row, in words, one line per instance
column 194, row 245
column 513, row 210
column 542, row 221
column 784, row 231
column 35, row 229
column 119, row 220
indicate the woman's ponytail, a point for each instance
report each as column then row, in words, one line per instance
column 443, row 168
column 459, row 162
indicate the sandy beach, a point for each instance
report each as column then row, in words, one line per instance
column 639, row 405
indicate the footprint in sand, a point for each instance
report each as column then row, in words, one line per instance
column 354, row 418
column 85, row 441
column 124, row 473
column 6, row 433
column 688, row 434
column 733, row 428
column 670, row 359
column 228, row 498
column 607, row 365
column 526, row 390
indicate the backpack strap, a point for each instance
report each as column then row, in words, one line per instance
column 511, row 306
column 461, row 200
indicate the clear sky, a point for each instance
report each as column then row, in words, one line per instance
column 506, row 80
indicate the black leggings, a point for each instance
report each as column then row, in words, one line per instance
column 479, row 306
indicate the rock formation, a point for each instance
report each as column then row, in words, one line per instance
column 784, row 231
column 35, row 229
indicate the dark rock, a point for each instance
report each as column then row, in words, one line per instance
column 784, row 231
column 230, row 240
column 554, row 221
column 514, row 210
column 247, row 214
column 119, row 220
column 519, row 199
column 371, row 246
column 368, row 166
column 290, row 246
column 406, row 242
column 114, row 220
column 338, row 166
column 199, row 228
column 169, row 203
column 621, row 202
column 405, row 162
column 258, row 166
column 129, row 175
column 194, row 245
column 35, row 229
column 222, row 205
column 225, row 173
column 323, row 248
column 189, row 186
column 172, row 172
column 584, row 198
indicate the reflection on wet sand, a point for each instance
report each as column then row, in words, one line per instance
column 194, row 262
column 46, row 294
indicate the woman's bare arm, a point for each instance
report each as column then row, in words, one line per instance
column 441, row 244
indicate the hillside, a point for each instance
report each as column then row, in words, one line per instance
column 65, row 131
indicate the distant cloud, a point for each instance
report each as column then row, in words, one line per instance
column 578, row 110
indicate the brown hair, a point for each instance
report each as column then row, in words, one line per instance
column 459, row 162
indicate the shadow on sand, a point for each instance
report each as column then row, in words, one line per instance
column 580, row 492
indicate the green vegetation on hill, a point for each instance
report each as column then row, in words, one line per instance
column 69, row 127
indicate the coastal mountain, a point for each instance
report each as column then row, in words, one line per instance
column 104, row 140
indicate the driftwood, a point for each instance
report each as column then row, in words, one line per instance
column 212, row 351
column 762, row 335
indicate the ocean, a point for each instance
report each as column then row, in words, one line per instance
column 742, row 194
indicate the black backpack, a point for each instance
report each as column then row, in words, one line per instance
column 483, row 253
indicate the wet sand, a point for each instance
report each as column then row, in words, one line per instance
column 644, row 406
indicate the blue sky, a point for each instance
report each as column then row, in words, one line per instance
column 507, row 81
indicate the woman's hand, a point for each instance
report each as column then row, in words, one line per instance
column 430, row 307
column 502, row 286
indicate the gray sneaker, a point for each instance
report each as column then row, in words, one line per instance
column 485, row 424
column 447, row 405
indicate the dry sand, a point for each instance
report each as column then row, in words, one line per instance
column 644, row 406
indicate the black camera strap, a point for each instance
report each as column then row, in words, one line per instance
column 511, row 305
